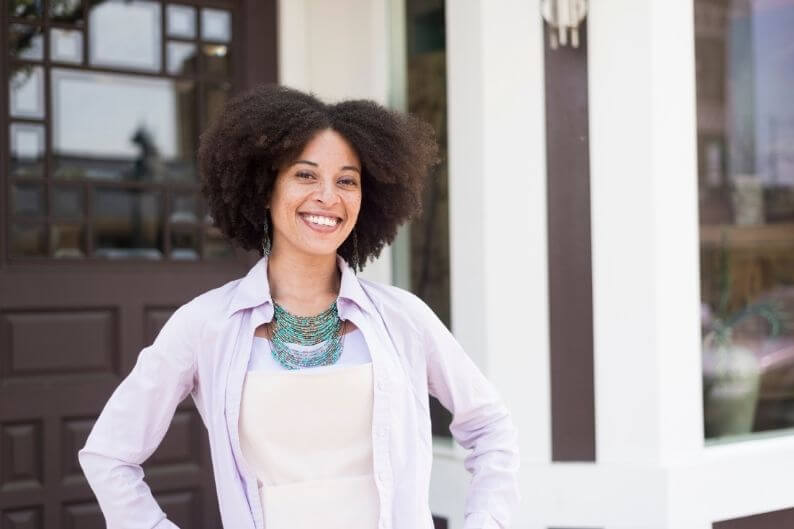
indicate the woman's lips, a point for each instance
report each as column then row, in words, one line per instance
column 321, row 228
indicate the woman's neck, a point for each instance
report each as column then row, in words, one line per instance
column 303, row 285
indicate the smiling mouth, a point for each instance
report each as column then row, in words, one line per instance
column 321, row 221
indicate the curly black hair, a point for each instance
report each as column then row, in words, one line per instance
column 261, row 130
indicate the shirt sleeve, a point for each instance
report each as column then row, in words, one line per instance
column 132, row 425
column 480, row 423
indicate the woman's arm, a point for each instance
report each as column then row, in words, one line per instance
column 132, row 424
column 481, row 423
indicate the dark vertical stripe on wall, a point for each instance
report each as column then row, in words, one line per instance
column 570, row 277
column 259, row 63
column 770, row 520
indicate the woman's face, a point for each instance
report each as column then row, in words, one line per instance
column 316, row 198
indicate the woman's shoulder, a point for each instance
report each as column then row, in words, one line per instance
column 396, row 302
column 210, row 303
column 385, row 293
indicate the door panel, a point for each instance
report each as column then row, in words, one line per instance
column 103, row 233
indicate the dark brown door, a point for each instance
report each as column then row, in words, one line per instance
column 102, row 230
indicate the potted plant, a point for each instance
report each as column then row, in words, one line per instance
column 731, row 370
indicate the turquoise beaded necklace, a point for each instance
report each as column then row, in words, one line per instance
column 306, row 330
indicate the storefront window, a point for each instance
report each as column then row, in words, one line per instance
column 107, row 100
column 745, row 119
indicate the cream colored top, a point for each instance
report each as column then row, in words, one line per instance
column 307, row 434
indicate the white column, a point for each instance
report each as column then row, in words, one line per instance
column 337, row 50
column 645, row 232
column 645, row 261
column 497, row 189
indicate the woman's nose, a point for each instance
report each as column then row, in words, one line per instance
column 327, row 192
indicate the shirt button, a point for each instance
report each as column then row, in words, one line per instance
column 381, row 384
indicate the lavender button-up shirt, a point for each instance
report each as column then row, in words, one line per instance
column 203, row 351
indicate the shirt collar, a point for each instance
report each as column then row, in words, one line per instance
column 253, row 290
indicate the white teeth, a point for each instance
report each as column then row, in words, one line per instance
column 325, row 221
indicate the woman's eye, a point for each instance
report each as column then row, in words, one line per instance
column 304, row 175
column 347, row 182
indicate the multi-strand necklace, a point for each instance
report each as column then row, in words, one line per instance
column 289, row 329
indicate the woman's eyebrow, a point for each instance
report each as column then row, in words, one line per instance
column 344, row 167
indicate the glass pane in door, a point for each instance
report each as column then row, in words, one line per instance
column 26, row 42
column 27, row 149
column 67, row 11
column 125, row 34
column 128, row 224
column 26, row 91
column 134, row 129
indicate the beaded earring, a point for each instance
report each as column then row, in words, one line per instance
column 265, row 238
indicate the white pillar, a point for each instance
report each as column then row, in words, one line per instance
column 645, row 232
column 497, row 188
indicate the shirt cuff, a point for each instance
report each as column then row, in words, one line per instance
column 480, row 520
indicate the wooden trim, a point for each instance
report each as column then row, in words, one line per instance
column 570, row 271
column 5, row 139
column 768, row 520
column 259, row 61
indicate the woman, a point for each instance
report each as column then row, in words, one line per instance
column 313, row 384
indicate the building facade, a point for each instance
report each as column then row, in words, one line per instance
column 610, row 235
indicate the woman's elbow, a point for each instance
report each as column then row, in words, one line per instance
column 91, row 463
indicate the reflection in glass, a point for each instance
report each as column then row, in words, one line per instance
column 26, row 87
column 182, row 165
column 28, row 240
column 181, row 21
column 27, row 149
column 135, row 128
column 67, row 201
column 66, row 45
column 214, row 99
column 28, row 200
column 127, row 223
column 181, row 58
column 24, row 8
column 183, row 209
column 184, row 244
column 427, row 98
column 216, row 246
column 68, row 11
column 26, row 42
column 426, row 78
column 68, row 240
column 125, row 34
column 216, row 25
column 216, row 59
column 745, row 78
